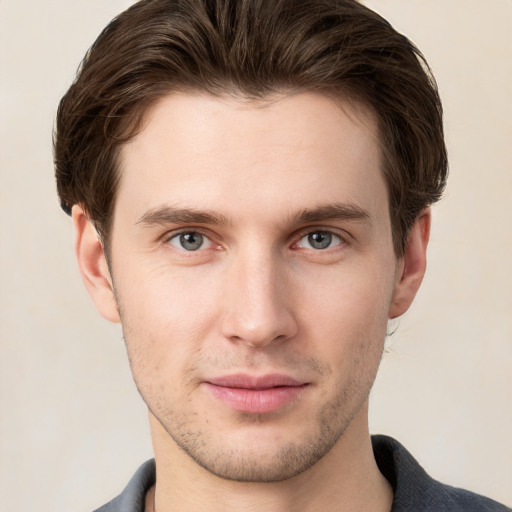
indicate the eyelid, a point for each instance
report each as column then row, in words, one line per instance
column 343, row 236
column 176, row 241
column 170, row 235
column 179, row 231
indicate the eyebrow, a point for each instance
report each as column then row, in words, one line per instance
column 168, row 215
column 333, row 211
column 164, row 215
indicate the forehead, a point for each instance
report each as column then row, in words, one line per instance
column 229, row 153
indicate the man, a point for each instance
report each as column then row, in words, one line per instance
column 250, row 184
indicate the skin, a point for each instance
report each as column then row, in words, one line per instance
column 255, row 186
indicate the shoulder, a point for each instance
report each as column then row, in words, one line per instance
column 133, row 497
column 415, row 491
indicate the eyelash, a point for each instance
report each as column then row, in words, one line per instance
column 342, row 240
column 332, row 234
column 176, row 234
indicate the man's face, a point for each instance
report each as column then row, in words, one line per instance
column 253, row 266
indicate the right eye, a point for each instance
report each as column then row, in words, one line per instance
column 190, row 241
column 320, row 240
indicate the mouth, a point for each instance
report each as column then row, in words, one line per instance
column 256, row 395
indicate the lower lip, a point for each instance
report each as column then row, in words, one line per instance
column 256, row 401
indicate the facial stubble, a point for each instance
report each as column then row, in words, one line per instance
column 293, row 458
column 211, row 449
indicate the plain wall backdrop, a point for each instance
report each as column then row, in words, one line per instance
column 72, row 427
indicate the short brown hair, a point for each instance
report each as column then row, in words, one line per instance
column 254, row 48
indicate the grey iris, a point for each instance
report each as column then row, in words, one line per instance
column 320, row 239
column 191, row 241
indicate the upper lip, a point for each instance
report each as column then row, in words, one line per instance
column 242, row 381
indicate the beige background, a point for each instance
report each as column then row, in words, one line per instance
column 72, row 428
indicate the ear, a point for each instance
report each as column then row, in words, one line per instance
column 411, row 266
column 93, row 265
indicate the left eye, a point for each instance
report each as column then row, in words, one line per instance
column 190, row 241
column 320, row 240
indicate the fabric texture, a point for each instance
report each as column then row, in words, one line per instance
column 413, row 489
column 133, row 498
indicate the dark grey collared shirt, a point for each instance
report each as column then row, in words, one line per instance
column 414, row 490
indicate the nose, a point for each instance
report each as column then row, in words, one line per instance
column 258, row 301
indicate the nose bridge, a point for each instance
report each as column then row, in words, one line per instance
column 257, row 303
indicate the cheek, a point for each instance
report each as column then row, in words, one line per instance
column 169, row 301
column 165, row 320
column 347, row 313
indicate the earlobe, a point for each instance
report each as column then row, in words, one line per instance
column 412, row 266
column 93, row 265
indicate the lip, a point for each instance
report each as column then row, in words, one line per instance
column 256, row 394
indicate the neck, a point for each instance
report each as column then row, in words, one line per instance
column 345, row 479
